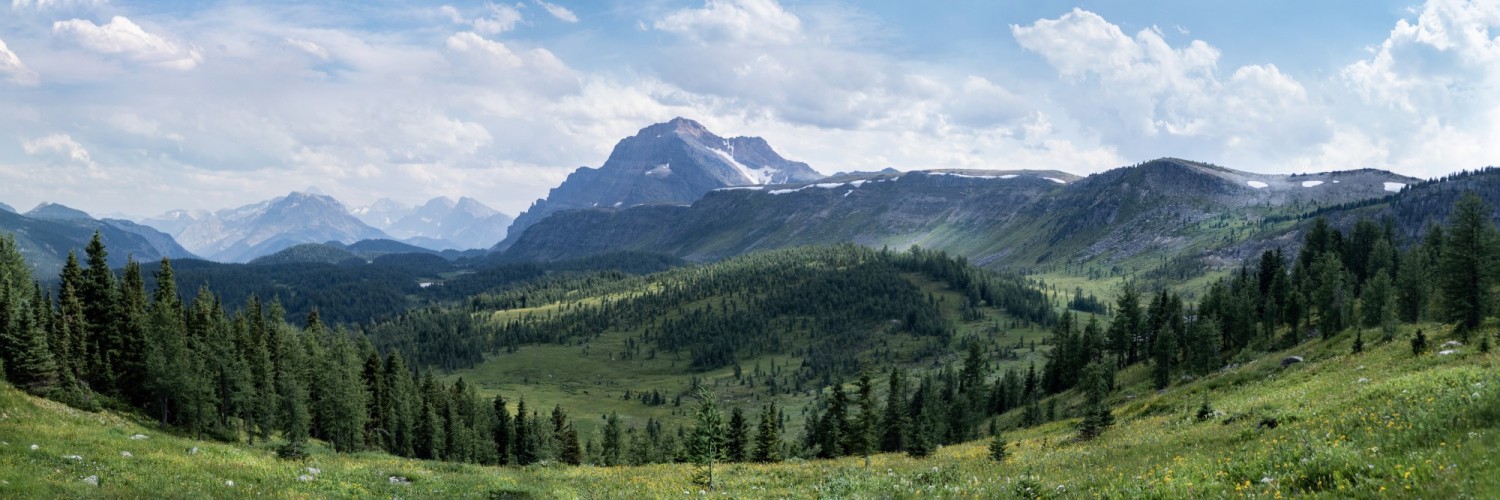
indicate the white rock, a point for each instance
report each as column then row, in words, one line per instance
column 1452, row 343
column 139, row 437
column 1363, row 380
column 1267, row 480
column 193, row 450
column 229, row 484
column 35, row 447
column 72, row 457
column 399, row 480
column 92, row 480
column 313, row 471
column 304, row 478
column 1446, row 352
column 126, row 454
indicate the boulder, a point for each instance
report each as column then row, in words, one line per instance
column 91, row 480
column 1291, row 360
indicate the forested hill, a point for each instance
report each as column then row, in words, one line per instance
column 822, row 302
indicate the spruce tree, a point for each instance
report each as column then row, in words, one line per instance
column 706, row 444
column 404, row 404
column 768, row 436
column 521, row 443
column 894, row 423
column 737, row 437
column 101, row 314
column 1096, row 413
column 998, row 450
column 1466, row 269
column 612, row 447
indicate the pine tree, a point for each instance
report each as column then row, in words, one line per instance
column 404, row 404
column 1096, row 413
column 521, row 444
column 997, row 448
column 705, row 446
column 1467, row 266
column 894, row 424
column 1419, row 343
column 737, row 435
column 862, row 434
column 611, row 453
column 99, row 297
column 768, row 436
column 129, row 363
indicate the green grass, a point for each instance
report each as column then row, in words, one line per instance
column 1380, row 423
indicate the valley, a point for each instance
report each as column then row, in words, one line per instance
column 1172, row 328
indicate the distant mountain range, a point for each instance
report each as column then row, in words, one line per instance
column 673, row 163
column 1138, row 215
column 677, row 189
column 244, row 233
column 48, row 232
column 439, row 224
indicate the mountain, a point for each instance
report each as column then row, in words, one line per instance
column 382, row 214
column 57, row 212
column 6, row 208
column 1013, row 219
column 673, row 163
column 439, row 224
column 244, row 233
column 47, row 233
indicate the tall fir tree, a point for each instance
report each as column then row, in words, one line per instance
column 737, row 439
column 706, row 444
column 1466, row 271
column 768, row 436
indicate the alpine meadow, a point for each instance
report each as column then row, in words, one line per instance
column 375, row 270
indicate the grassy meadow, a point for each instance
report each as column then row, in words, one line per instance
column 1380, row 423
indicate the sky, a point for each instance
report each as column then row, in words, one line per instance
column 129, row 108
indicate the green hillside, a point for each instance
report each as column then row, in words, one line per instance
column 1383, row 422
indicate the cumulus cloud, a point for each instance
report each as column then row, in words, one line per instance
column 561, row 13
column 61, row 145
column 735, row 21
column 10, row 64
column 122, row 36
column 1129, row 88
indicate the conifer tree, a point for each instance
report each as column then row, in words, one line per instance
column 99, row 296
column 521, row 444
column 613, row 445
column 1467, row 265
column 1096, row 413
column 894, row 423
column 404, row 404
column 997, row 448
column 736, row 437
column 706, row 444
column 768, row 436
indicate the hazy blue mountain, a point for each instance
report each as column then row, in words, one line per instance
column 244, row 233
column 46, row 239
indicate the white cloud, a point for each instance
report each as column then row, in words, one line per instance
column 58, row 144
column 493, row 19
column 10, row 64
column 492, row 51
column 558, row 11
column 735, row 21
column 54, row 4
column 121, row 36
column 310, row 48
column 1146, row 96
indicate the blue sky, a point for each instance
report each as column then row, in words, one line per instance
column 121, row 107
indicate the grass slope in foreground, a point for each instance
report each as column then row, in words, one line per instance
column 1377, row 423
